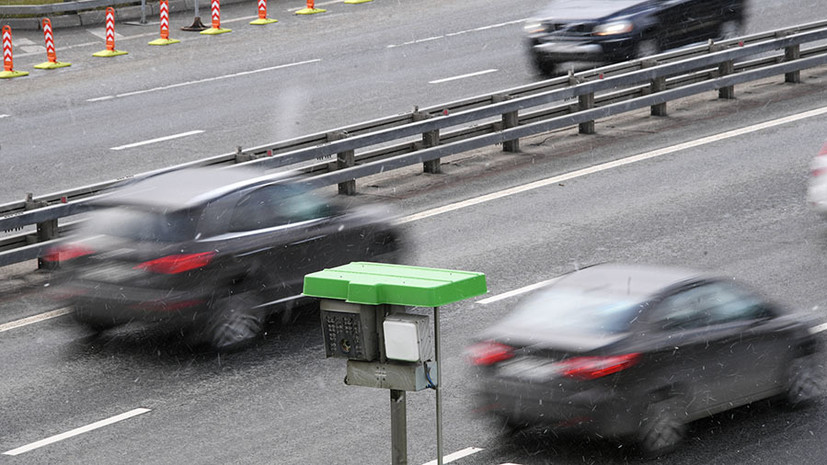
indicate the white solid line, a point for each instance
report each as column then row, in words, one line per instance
column 456, row 455
column 452, row 34
column 819, row 328
column 522, row 290
column 4, row 116
column 607, row 166
column 478, row 73
column 77, row 431
column 160, row 139
column 201, row 81
column 35, row 319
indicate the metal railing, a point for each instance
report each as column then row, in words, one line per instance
column 424, row 136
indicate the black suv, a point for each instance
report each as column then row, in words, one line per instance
column 215, row 251
column 610, row 31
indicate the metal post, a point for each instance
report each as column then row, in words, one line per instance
column 143, row 11
column 399, row 426
column 344, row 160
column 792, row 53
column 438, row 388
column 429, row 139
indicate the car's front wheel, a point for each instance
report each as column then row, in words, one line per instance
column 662, row 427
column 805, row 381
column 235, row 322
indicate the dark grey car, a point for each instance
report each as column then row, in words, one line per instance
column 214, row 251
column 637, row 352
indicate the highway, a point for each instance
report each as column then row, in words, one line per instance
column 716, row 185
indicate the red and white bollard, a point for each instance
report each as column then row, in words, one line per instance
column 51, row 55
column 110, row 36
column 311, row 9
column 262, row 14
column 8, row 63
column 164, row 40
column 215, row 13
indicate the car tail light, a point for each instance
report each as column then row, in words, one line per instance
column 174, row 264
column 489, row 352
column 596, row 367
column 64, row 252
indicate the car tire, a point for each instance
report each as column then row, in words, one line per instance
column 94, row 323
column 729, row 30
column 646, row 48
column 805, row 384
column 545, row 68
column 662, row 428
column 235, row 323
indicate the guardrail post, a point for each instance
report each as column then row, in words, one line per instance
column 46, row 231
column 429, row 139
column 791, row 53
column 657, row 85
column 725, row 68
column 510, row 120
column 344, row 160
column 584, row 102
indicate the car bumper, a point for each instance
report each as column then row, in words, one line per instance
column 560, row 51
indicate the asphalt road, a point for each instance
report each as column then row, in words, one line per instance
column 734, row 204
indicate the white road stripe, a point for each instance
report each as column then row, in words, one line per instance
column 201, row 81
column 607, row 166
column 77, row 431
column 456, row 455
column 522, row 290
column 452, row 34
column 819, row 328
column 160, row 139
column 478, row 73
column 4, row 116
column 35, row 319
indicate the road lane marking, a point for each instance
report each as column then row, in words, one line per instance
column 4, row 116
column 452, row 34
column 159, row 139
column 819, row 328
column 463, row 76
column 607, row 166
column 522, row 290
column 201, row 81
column 35, row 319
column 456, row 455
column 77, row 431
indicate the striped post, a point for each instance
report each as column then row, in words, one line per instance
column 311, row 9
column 262, row 14
column 215, row 14
column 8, row 61
column 164, row 40
column 51, row 55
column 110, row 36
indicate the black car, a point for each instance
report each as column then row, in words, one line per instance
column 637, row 352
column 215, row 251
column 610, row 31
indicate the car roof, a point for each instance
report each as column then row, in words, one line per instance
column 188, row 188
column 633, row 280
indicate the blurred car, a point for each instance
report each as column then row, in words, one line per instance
column 636, row 352
column 215, row 251
column 610, row 31
column 817, row 185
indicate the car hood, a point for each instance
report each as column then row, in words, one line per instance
column 566, row 10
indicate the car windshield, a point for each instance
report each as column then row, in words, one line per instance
column 142, row 225
column 575, row 310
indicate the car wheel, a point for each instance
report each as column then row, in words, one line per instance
column 235, row 323
column 646, row 48
column 804, row 382
column 729, row 30
column 545, row 68
column 94, row 323
column 662, row 428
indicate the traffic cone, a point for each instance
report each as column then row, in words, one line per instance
column 262, row 15
column 215, row 7
column 110, row 37
column 164, row 40
column 311, row 9
column 8, row 65
column 50, row 48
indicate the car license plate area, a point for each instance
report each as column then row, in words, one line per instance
column 529, row 369
column 111, row 273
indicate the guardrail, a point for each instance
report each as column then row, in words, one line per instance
column 428, row 134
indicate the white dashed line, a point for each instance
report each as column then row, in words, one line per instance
column 456, row 455
column 819, row 328
column 160, row 139
column 35, row 319
column 452, row 34
column 522, row 290
column 464, row 76
column 77, row 431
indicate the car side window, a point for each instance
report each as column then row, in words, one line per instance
column 684, row 310
column 275, row 206
column 708, row 304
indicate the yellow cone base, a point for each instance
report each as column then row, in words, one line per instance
column 109, row 53
column 310, row 11
column 164, row 41
column 213, row 31
column 52, row 65
column 12, row 74
column 353, row 2
column 262, row 21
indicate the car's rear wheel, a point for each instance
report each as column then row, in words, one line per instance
column 97, row 324
column 805, row 382
column 662, row 428
column 545, row 68
column 235, row 323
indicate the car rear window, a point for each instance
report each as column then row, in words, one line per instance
column 575, row 310
column 142, row 225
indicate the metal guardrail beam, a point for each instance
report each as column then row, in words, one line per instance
column 688, row 71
